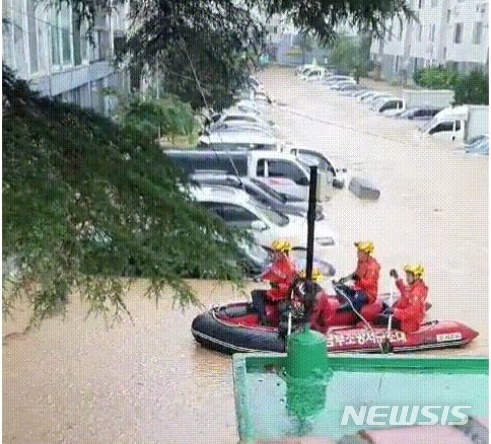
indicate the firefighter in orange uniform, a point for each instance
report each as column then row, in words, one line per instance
column 409, row 310
column 364, row 288
column 280, row 275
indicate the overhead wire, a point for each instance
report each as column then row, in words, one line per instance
column 200, row 88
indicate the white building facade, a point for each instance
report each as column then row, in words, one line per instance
column 447, row 33
column 46, row 47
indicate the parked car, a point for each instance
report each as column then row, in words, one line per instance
column 337, row 78
column 371, row 98
column 241, row 211
column 303, row 69
column 263, row 97
column 313, row 74
column 259, row 190
column 310, row 157
column 368, row 95
column 361, row 92
column 247, row 106
column 281, row 171
column 478, row 147
column 475, row 139
column 337, row 85
column 236, row 115
column 419, row 113
column 237, row 126
column 238, row 141
column 255, row 259
column 386, row 104
column 352, row 87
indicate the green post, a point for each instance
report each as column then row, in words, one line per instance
column 307, row 354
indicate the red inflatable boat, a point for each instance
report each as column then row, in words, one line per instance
column 235, row 328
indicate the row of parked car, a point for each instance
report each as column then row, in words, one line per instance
column 242, row 172
column 379, row 101
column 442, row 120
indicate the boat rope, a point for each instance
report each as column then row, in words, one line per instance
column 379, row 343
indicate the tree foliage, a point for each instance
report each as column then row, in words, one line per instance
column 436, row 77
column 84, row 200
column 167, row 116
column 205, row 49
column 351, row 55
column 214, row 43
column 323, row 18
column 472, row 88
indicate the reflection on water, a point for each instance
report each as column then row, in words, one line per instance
column 75, row 381
column 278, row 409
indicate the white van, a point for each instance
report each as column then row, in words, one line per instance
column 459, row 123
column 239, row 141
column 280, row 171
column 314, row 74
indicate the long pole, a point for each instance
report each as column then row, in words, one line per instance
column 309, row 293
column 311, row 221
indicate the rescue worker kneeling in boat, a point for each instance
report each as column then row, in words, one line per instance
column 409, row 310
column 321, row 311
column 280, row 275
column 365, row 278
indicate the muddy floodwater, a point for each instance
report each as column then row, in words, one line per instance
column 75, row 381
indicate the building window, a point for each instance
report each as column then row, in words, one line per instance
column 84, row 53
column 79, row 42
column 55, row 39
column 449, row 15
column 477, row 33
column 33, row 38
column 481, row 8
column 77, row 55
column 61, row 38
column 66, row 38
column 389, row 34
column 459, row 28
column 420, row 32
column 400, row 31
column 434, row 3
column 432, row 33
column 421, row 4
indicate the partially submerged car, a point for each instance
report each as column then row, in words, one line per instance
column 419, row 113
column 257, row 189
column 239, row 210
column 311, row 157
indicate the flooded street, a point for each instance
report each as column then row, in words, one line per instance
column 74, row 381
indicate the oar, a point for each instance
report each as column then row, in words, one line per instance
column 386, row 346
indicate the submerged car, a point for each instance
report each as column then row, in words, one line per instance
column 259, row 190
column 310, row 157
column 419, row 113
column 241, row 211
column 478, row 147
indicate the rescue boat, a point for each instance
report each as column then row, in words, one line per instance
column 235, row 328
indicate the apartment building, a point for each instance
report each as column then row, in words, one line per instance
column 446, row 32
column 46, row 47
